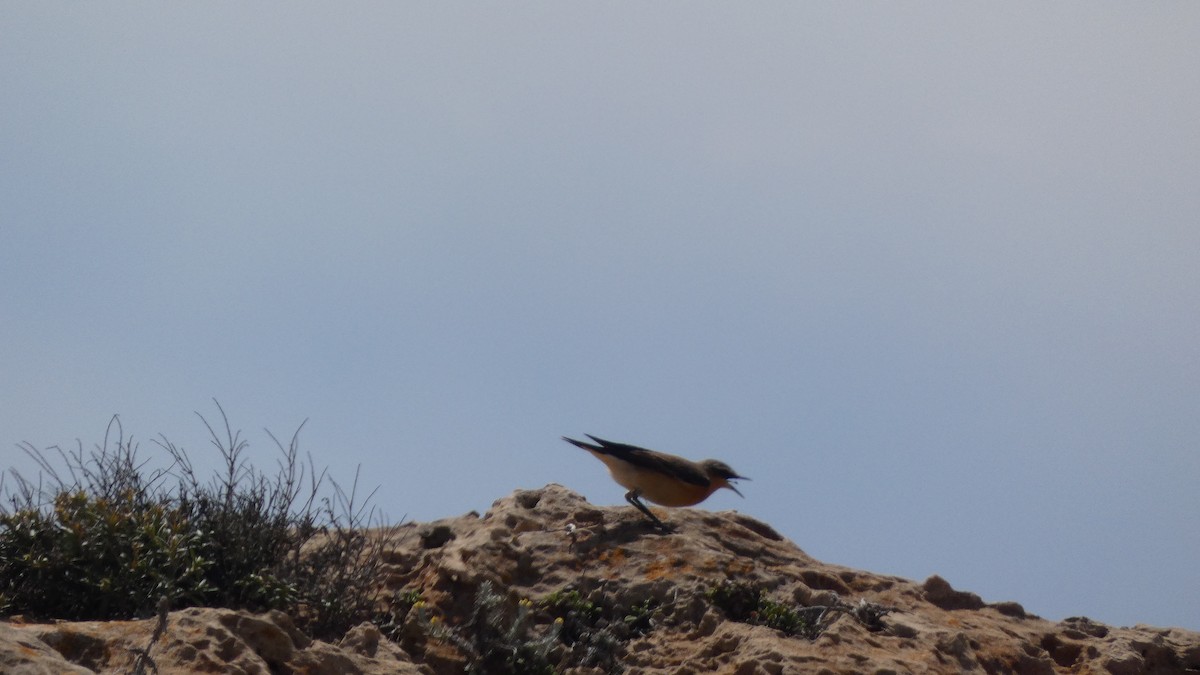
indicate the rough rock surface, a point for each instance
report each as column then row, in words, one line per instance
column 537, row 542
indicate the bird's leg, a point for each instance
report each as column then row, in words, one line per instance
column 632, row 498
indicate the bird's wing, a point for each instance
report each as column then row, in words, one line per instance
column 649, row 459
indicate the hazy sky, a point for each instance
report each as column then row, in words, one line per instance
column 927, row 272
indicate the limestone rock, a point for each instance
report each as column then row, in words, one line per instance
column 534, row 544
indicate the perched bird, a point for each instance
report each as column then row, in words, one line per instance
column 663, row 479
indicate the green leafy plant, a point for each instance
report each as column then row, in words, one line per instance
column 596, row 627
column 391, row 619
column 585, row 629
column 498, row 636
column 639, row 619
column 749, row 603
column 578, row 614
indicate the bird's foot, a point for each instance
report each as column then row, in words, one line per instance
column 632, row 498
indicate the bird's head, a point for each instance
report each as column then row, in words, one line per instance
column 720, row 474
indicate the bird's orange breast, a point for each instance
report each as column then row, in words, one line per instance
column 655, row 486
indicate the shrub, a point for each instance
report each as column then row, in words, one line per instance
column 95, row 558
column 98, row 536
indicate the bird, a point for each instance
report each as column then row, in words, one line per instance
column 667, row 480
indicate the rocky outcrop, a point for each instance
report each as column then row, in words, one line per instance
column 597, row 589
column 197, row 640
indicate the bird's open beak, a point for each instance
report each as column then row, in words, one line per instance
column 733, row 487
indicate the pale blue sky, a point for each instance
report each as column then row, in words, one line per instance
column 926, row 272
